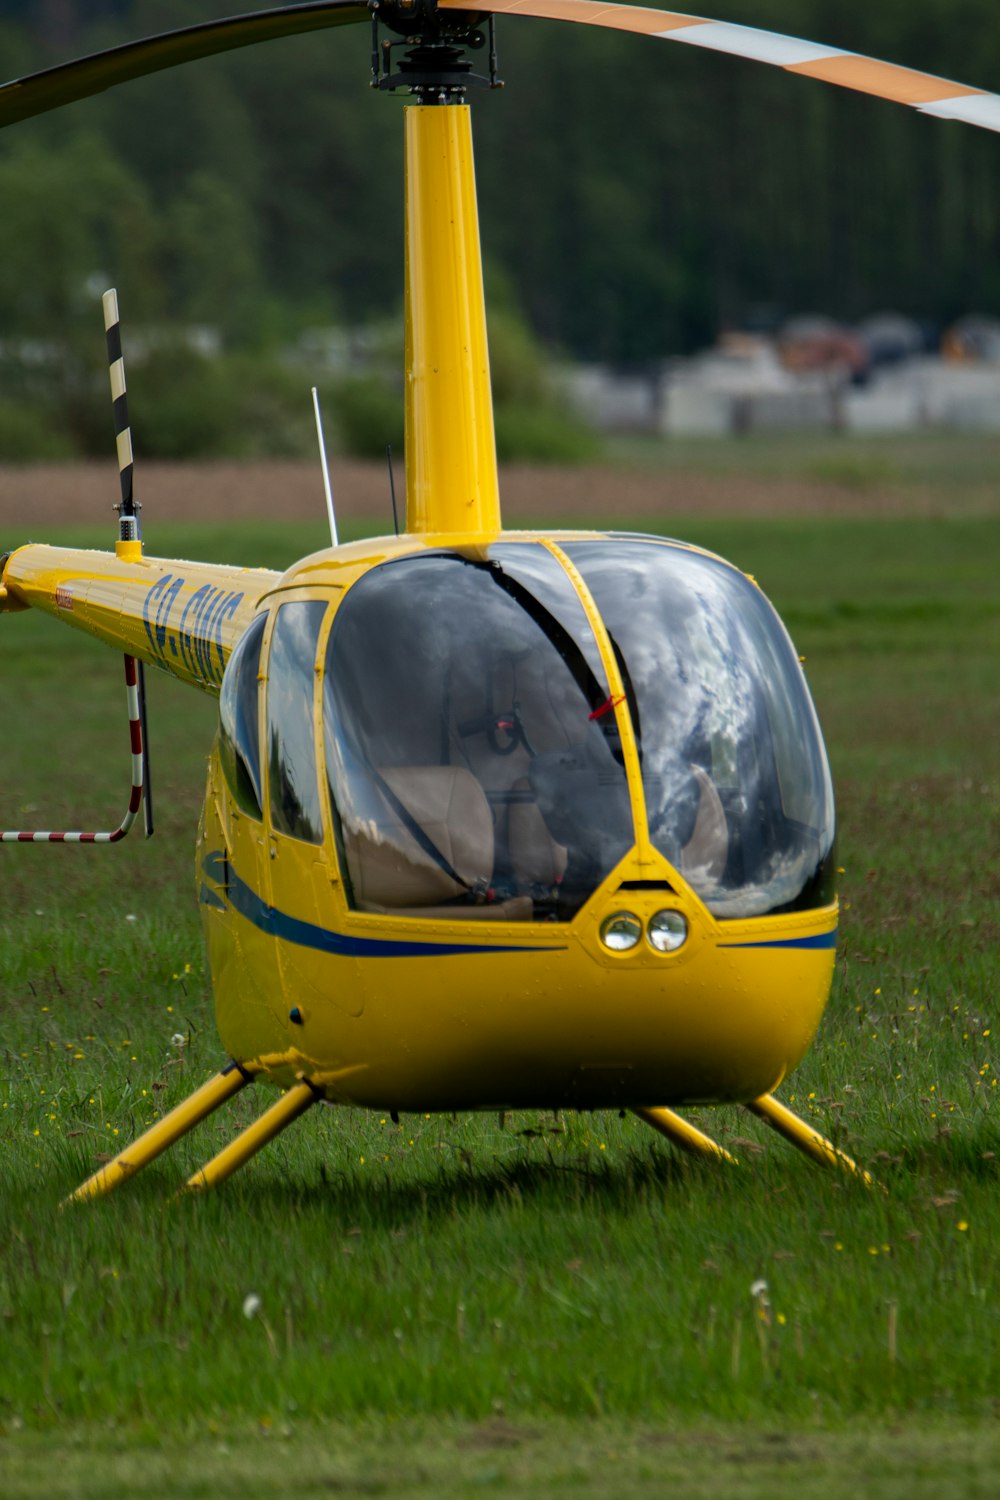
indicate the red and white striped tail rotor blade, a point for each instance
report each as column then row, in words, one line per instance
column 866, row 75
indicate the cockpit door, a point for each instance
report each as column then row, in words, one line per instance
column 301, row 862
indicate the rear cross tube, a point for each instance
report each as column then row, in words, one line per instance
column 135, row 737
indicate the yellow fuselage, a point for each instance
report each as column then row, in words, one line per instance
column 428, row 1013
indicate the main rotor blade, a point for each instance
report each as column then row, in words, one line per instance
column 928, row 94
column 53, row 87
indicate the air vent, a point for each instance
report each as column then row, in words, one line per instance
column 646, row 885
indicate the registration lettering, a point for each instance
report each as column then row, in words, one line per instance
column 186, row 628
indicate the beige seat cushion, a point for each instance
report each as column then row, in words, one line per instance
column 535, row 857
column 388, row 867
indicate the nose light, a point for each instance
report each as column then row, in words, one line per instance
column 621, row 931
column 667, row 931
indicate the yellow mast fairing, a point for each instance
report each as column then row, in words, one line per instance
column 185, row 617
column 451, row 464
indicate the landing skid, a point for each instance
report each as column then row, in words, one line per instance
column 295, row 1101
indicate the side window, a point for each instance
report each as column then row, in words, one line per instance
column 239, row 738
column 291, row 746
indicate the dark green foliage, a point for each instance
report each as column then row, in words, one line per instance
column 369, row 416
column 27, row 433
column 639, row 194
column 542, row 434
column 187, row 406
column 636, row 196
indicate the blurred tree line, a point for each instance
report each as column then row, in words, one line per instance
column 636, row 196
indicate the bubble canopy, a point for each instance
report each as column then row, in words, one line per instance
column 473, row 745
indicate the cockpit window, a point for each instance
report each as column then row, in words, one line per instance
column 734, row 773
column 239, row 736
column 472, row 772
column 291, row 754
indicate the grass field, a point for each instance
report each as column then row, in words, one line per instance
column 557, row 1305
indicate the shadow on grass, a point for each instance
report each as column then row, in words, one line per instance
column 402, row 1192
column 401, row 1196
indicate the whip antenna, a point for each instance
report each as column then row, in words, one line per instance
column 326, row 471
column 392, row 488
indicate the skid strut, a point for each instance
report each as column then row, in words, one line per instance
column 271, row 1123
column 684, row 1135
column 775, row 1114
column 165, row 1132
column 805, row 1138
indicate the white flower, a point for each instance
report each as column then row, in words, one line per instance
column 251, row 1305
column 178, row 1039
column 130, row 916
column 758, row 1289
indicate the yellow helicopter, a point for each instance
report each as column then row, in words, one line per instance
column 493, row 819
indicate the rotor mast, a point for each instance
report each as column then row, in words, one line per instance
column 451, row 466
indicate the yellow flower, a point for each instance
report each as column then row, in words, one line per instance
column 961, row 1226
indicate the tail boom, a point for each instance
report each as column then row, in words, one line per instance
column 183, row 617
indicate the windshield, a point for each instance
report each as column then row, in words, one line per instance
column 734, row 773
column 472, row 773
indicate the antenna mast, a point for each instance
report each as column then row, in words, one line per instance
column 326, row 471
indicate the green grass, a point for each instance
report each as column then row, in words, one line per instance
column 430, row 1458
column 448, row 1304
column 963, row 469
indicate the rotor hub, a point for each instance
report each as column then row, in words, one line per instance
column 434, row 66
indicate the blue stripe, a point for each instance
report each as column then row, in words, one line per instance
column 278, row 924
column 821, row 940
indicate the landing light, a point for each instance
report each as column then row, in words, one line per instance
column 621, row 931
column 667, row 931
